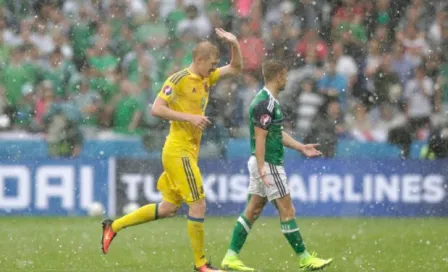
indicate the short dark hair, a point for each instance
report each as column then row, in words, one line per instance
column 271, row 68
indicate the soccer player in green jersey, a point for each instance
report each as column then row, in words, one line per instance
column 267, row 175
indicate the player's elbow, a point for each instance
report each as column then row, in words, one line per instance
column 156, row 111
column 237, row 67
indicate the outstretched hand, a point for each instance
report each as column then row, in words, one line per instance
column 310, row 150
column 226, row 36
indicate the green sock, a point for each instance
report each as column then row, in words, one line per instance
column 292, row 234
column 239, row 235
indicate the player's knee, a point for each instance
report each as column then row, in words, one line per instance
column 166, row 210
column 198, row 208
column 287, row 213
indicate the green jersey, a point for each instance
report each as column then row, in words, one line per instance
column 265, row 113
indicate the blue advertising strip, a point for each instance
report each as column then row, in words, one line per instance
column 318, row 187
column 52, row 187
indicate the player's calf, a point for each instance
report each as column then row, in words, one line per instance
column 147, row 213
column 292, row 234
column 254, row 208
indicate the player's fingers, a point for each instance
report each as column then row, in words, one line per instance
column 207, row 120
column 219, row 32
column 314, row 145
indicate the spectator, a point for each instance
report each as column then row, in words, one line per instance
column 306, row 108
column 8, row 36
column 251, row 48
column 344, row 13
column 312, row 40
column 387, row 86
column 401, row 64
column 289, row 21
column 418, row 96
column 101, row 58
column 385, row 119
column 6, row 112
column 277, row 46
column 59, row 71
column 126, row 109
column 383, row 36
column 412, row 18
column 435, row 31
column 415, row 46
column 310, row 11
column 151, row 29
column 62, row 127
column 309, row 70
column 383, row 16
column 88, row 103
column 4, row 51
column 25, row 108
column 195, row 24
column 61, row 42
column 345, row 64
column 15, row 75
column 246, row 92
column 433, row 62
column 351, row 31
column 44, row 99
column 373, row 62
column 326, row 127
column 81, row 34
column 41, row 38
column 441, row 89
column 334, row 84
column 359, row 124
column 174, row 16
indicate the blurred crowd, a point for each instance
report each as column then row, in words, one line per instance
column 359, row 69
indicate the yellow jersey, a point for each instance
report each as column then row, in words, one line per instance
column 186, row 92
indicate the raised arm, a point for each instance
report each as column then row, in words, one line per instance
column 308, row 150
column 236, row 63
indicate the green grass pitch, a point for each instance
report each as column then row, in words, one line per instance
column 73, row 244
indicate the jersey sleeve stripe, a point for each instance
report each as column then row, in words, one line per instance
column 271, row 105
column 182, row 76
column 175, row 76
column 178, row 76
column 190, row 179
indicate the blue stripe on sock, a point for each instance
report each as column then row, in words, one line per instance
column 200, row 220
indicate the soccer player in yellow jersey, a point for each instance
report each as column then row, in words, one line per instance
column 182, row 100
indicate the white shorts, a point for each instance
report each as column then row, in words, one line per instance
column 275, row 174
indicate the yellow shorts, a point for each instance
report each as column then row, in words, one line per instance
column 181, row 180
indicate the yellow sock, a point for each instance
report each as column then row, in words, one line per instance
column 196, row 234
column 144, row 214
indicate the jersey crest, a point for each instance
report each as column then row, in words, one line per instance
column 265, row 119
column 167, row 90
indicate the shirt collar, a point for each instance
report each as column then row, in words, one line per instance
column 270, row 94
